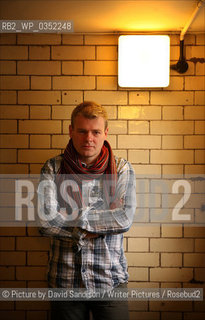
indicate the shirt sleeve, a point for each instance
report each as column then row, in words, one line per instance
column 120, row 218
column 52, row 222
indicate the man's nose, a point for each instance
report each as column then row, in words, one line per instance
column 89, row 136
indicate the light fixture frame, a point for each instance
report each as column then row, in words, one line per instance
column 143, row 61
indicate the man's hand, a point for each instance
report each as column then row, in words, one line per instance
column 90, row 235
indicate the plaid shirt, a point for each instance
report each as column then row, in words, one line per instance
column 77, row 261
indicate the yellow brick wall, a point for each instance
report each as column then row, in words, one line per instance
column 160, row 131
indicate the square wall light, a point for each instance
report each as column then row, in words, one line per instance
column 143, row 61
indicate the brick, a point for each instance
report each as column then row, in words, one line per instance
column 106, row 83
column 35, row 168
column 117, row 127
column 39, row 141
column 200, row 69
column 138, row 274
column 171, row 231
column 32, row 243
column 171, row 245
column 39, row 67
column 7, row 273
column 40, row 315
column 120, row 153
column 8, row 156
column 14, row 141
column 7, row 243
column 199, row 156
column 138, row 156
column 138, row 127
column 199, row 245
column 100, row 68
column 39, row 52
column 194, row 260
column 138, row 98
column 72, row 39
column 194, row 316
column 200, row 274
column 72, row 97
column 72, row 68
column 174, row 52
column 144, row 230
column 12, row 258
column 40, row 83
column 8, row 126
column 172, row 142
column 13, row 112
column 14, row 53
column 200, row 39
column 36, row 156
column 194, row 51
column 31, row 273
column 101, row 39
column 139, row 113
column 111, row 111
column 13, row 169
column 107, row 98
column 42, row 38
column 12, row 231
column 172, row 169
column 199, row 127
column 14, row 82
column 194, row 232
column 62, row 112
column 138, row 244
column 147, row 170
column 172, row 113
column 13, row 284
column 7, row 38
column 171, row 274
column 194, row 169
column 74, row 83
column 39, row 97
column 194, row 113
column 170, row 127
column 194, row 83
column 38, row 258
column 59, row 141
column 199, row 98
column 171, row 98
column 41, row 126
column 194, row 142
column 73, row 53
column 171, row 260
column 112, row 141
column 7, row 67
column 7, row 97
column 139, row 142
column 142, row 259
column 144, row 315
column 33, row 305
column 171, row 306
column 176, row 83
column 107, row 53
column 172, row 156
column 12, row 315
column 40, row 112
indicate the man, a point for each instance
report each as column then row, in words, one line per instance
column 93, row 204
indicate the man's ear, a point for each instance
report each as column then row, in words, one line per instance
column 70, row 131
column 106, row 132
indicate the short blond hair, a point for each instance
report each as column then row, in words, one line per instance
column 89, row 110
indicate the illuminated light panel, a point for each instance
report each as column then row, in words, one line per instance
column 143, row 61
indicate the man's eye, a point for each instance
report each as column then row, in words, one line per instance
column 96, row 132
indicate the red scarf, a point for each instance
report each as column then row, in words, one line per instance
column 72, row 165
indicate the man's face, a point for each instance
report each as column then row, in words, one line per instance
column 88, row 136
